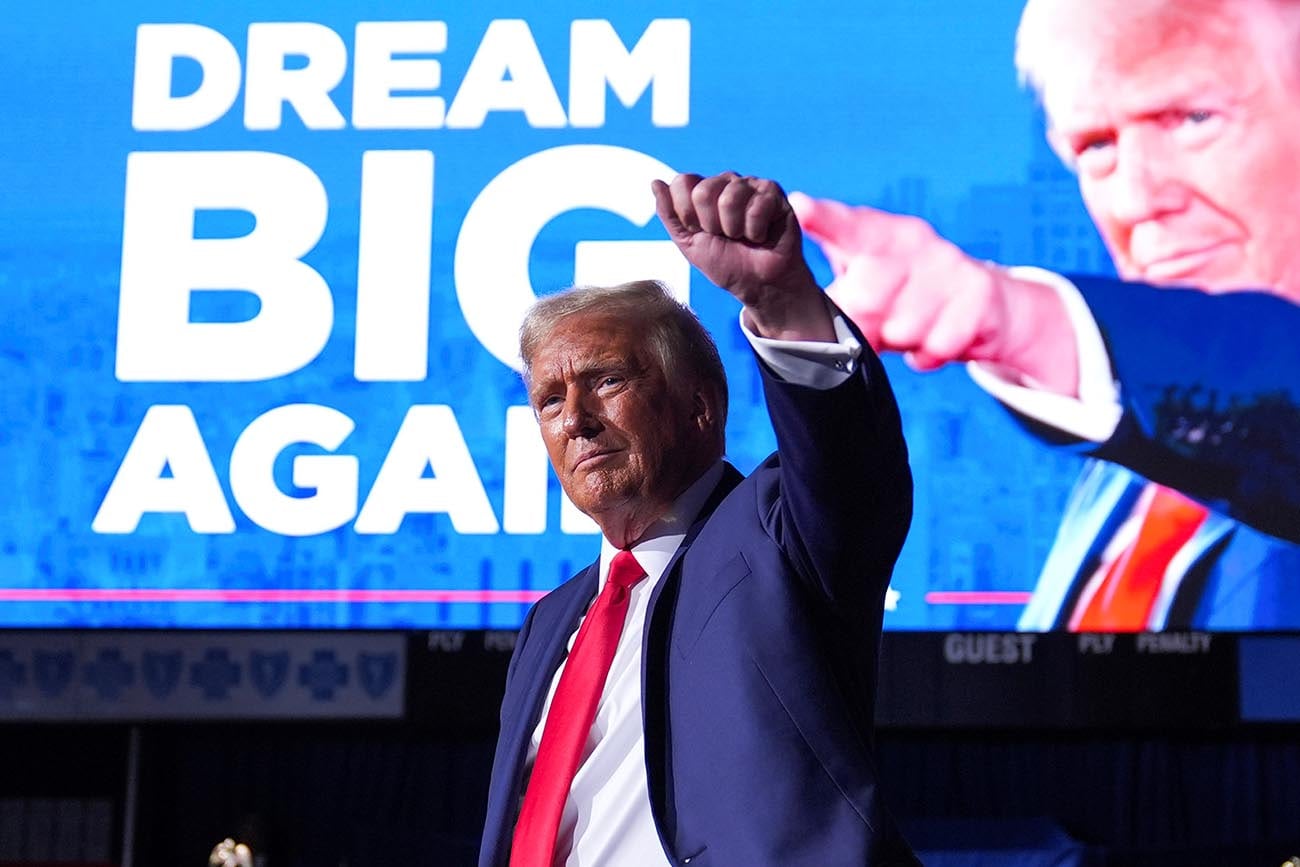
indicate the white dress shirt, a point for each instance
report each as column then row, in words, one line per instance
column 607, row 821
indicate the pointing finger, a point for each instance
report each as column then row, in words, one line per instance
column 822, row 227
column 844, row 230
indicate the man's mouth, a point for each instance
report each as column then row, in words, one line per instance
column 591, row 460
column 1182, row 263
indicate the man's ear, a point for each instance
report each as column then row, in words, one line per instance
column 704, row 408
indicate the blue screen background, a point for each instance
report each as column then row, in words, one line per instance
column 909, row 106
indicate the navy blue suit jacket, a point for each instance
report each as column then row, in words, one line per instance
column 760, row 654
column 1209, row 386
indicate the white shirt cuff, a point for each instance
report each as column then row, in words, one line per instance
column 810, row 363
column 1095, row 413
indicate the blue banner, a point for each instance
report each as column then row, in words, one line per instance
column 263, row 265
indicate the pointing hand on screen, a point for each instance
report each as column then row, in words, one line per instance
column 914, row 292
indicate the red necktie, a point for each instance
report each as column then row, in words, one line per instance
column 1127, row 591
column 572, row 711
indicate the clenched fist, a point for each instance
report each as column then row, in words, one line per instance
column 742, row 234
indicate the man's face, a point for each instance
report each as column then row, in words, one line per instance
column 1187, row 147
column 620, row 439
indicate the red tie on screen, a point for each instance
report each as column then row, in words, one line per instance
column 572, row 711
column 1128, row 590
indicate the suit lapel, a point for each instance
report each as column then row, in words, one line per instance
column 654, row 652
column 552, row 630
column 1101, row 499
column 1208, row 538
column 546, row 648
column 730, row 478
column 1101, row 502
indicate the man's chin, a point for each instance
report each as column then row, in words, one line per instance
column 595, row 495
column 1214, row 269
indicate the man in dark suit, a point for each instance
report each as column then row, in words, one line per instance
column 1182, row 122
column 714, row 703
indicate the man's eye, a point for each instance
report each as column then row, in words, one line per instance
column 1094, row 155
column 1199, row 126
column 1093, row 144
column 611, row 381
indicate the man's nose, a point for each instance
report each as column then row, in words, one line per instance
column 580, row 418
column 1146, row 182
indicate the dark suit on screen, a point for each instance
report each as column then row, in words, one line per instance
column 760, row 654
column 1209, row 388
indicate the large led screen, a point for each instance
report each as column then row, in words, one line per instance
column 262, row 266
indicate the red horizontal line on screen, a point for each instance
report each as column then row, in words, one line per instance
column 148, row 594
column 978, row 597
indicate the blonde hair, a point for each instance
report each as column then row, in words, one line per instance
column 673, row 333
column 1127, row 32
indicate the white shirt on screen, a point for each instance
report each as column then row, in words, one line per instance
column 607, row 820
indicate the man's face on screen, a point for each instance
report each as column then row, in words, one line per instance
column 1186, row 138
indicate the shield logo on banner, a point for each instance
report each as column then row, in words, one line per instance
column 269, row 671
column 377, row 671
column 53, row 671
column 162, row 671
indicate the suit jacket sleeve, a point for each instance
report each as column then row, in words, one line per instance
column 1208, row 387
column 843, row 501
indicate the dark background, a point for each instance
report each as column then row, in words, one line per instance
column 1142, row 759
